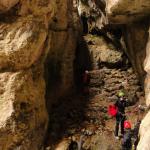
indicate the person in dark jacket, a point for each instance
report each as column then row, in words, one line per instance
column 121, row 103
column 73, row 146
column 127, row 137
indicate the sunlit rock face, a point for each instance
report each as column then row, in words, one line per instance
column 33, row 34
column 22, row 43
column 23, row 114
column 122, row 12
column 147, row 69
column 144, row 143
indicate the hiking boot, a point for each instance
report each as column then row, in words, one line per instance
column 121, row 136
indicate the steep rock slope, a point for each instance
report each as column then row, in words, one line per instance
column 28, row 34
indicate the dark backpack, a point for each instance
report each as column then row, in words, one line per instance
column 127, row 143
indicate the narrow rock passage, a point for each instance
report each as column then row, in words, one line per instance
column 84, row 118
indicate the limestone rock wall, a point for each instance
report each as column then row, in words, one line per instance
column 147, row 69
column 136, row 36
column 94, row 12
column 32, row 33
column 62, row 45
column 122, row 12
column 144, row 143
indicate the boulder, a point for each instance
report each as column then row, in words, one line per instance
column 21, row 43
column 24, row 119
column 102, row 51
column 123, row 12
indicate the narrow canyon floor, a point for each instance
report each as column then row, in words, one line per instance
column 83, row 119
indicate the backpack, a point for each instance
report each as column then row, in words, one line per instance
column 112, row 110
column 126, row 143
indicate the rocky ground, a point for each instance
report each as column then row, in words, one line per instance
column 83, row 119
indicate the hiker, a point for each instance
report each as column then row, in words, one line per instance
column 121, row 103
column 73, row 146
column 127, row 141
column 86, row 81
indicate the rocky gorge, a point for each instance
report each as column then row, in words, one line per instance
column 45, row 46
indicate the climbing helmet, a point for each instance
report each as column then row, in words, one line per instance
column 127, row 125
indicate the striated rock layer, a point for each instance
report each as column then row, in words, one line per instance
column 30, row 33
column 123, row 12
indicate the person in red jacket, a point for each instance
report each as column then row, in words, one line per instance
column 127, row 137
column 86, row 81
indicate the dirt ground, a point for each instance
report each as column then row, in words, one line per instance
column 86, row 121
